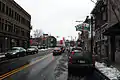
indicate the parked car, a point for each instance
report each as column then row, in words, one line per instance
column 32, row 50
column 39, row 47
column 43, row 47
column 15, row 52
column 80, row 61
column 36, row 47
column 57, row 51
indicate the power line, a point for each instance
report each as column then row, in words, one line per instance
column 93, row 1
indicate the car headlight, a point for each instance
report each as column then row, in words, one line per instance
column 5, row 53
column 13, row 53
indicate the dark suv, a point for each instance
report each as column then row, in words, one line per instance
column 80, row 61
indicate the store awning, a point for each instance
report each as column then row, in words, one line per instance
column 114, row 30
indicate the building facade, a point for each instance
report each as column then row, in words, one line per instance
column 107, row 28
column 15, row 25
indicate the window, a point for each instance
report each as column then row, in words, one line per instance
column 0, row 5
column 12, row 13
column 7, row 10
column 119, row 43
column 6, row 25
column 22, row 20
column 23, row 33
column 15, row 28
column 3, row 7
column 19, row 18
column 28, row 23
column 103, row 13
column 10, row 26
column 0, row 24
column 15, row 15
column 28, row 34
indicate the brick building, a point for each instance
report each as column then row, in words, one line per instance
column 107, row 28
column 15, row 25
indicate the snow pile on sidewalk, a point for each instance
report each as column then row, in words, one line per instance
column 1, row 56
column 111, row 72
column 43, row 49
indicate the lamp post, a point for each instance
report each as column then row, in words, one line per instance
column 91, row 34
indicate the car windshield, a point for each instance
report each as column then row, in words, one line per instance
column 31, row 48
column 77, row 53
column 15, row 48
column 57, row 48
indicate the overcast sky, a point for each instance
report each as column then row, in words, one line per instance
column 57, row 17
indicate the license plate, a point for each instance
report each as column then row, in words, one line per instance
column 79, row 61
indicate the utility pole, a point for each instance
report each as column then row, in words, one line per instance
column 91, row 34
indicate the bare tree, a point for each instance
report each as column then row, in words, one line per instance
column 38, row 33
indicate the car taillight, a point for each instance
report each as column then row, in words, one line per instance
column 73, row 53
column 70, row 60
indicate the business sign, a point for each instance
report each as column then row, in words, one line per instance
column 83, row 27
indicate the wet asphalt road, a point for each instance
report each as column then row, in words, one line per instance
column 37, row 67
column 41, row 66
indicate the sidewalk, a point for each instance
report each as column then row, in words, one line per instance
column 116, row 65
